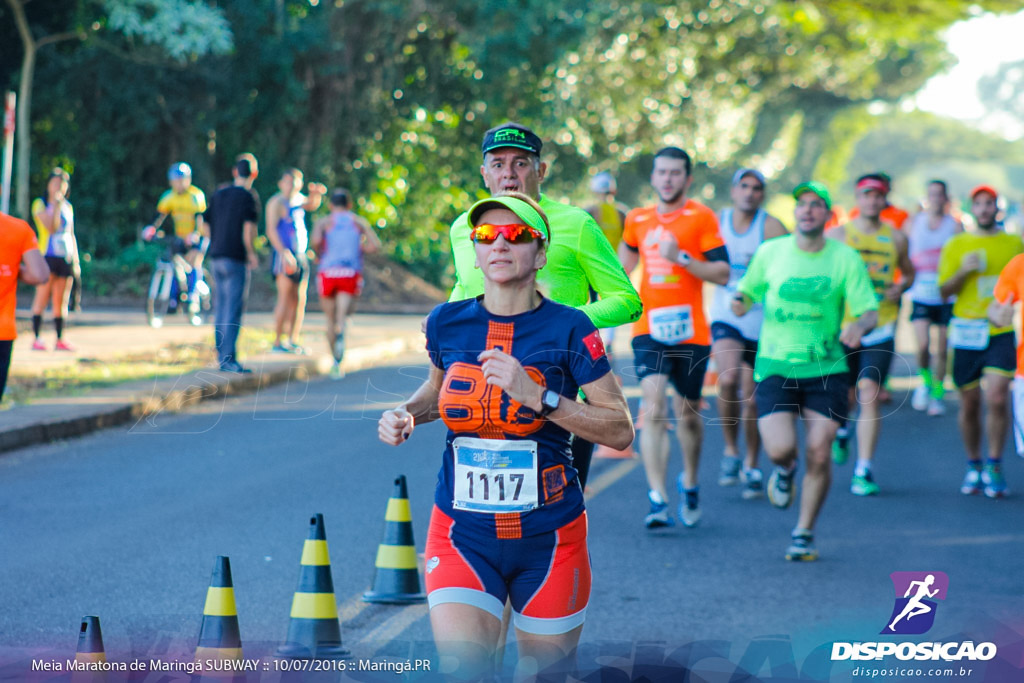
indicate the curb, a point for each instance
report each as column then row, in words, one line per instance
column 186, row 391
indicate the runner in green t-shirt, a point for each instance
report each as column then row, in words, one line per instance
column 579, row 255
column 805, row 283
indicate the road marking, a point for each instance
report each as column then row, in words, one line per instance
column 606, row 479
column 395, row 624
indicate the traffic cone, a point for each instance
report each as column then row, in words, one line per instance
column 219, row 637
column 314, row 631
column 396, row 579
column 90, row 649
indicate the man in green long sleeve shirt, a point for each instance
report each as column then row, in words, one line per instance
column 579, row 255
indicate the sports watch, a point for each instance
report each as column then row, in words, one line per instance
column 549, row 400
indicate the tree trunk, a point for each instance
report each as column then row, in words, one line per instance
column 24, row 137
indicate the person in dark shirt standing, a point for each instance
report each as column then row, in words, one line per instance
column 231, row 222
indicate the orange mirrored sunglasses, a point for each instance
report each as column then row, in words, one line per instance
column 485, row 233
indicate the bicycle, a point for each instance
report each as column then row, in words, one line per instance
column 169, row 284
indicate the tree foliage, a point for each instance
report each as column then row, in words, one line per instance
column 391, row 97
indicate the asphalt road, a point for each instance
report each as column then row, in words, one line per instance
column 126, row 523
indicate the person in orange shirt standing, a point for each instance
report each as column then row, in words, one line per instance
column 680, row 246
column 20, row 258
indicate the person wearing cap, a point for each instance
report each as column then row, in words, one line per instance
column 610, row 216
column 928, row 231
column 185, row 204
column 969, row 267
column 678, row 242
column 806, row 283
column 885, row 251
column 579, row 258
column 744, row 227
column 509, row 519
column 340, row 239
column 230, row 224
column 890, row 213
column 55, row 226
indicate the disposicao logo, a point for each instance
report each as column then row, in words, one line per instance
column 914, row 614
column 914, row 611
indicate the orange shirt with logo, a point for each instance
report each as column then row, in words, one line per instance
column 1010, row 287
column 673, row 297
column 16, row 237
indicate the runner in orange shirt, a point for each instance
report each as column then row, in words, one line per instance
column 681, row 248
column 20, row 259
column 1009, row 290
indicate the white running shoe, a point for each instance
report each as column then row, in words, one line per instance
column 919, row 401
column 936, row 407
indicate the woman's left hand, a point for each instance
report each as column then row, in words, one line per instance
column 505, row 372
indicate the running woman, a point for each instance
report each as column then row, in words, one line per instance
column 288, row 235
column 929, row 231
column 969, row 268
column 805, row 283
column 681, row 248
column 340, row 239
column 884, row 251
column 744, row 227
column 508, row 519
column 579, row 258
column 55, row 226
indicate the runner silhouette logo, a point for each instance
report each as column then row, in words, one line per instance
column 916, row 595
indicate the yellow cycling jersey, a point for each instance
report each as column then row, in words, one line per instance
column 611, row 219
column 182, row 208
column 881, row 258
column 995, row 250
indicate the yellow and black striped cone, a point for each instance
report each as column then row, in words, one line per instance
column 314, row 631
column 397, row 579
column 90, row 650
column 219, row 637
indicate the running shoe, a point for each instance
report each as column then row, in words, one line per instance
column 919, row 400
column 863, row 485
column 62, row 345
column 658, row 517
column 781, row 488
column 39, row 345
column 840, row 451
column 936, row 407
column 972, row 481
column 336, row 372
column 753, row 484
column 280, row 348
column 234, row 368
column 994, row 481
column 729, row 475
column 801, row 547
column 689, row 506
column 297, row 349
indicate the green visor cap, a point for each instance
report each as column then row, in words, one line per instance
column 815, row 187
column 526, row 213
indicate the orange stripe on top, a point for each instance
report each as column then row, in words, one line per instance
column 499, row 336
column 508, row 525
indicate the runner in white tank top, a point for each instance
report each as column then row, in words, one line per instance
column 744, row 227
column 928, row 231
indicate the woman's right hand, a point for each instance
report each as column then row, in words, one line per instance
column 395, row 426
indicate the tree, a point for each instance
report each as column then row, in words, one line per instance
column 179, row 28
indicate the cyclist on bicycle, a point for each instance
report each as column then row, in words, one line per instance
column 185, row 203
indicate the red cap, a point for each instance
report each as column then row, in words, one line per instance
column 984, row 188
column 873, row 184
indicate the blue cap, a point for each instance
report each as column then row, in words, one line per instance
column 744, row 172
column 179, row 170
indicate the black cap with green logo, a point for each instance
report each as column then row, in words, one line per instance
column 511, row 135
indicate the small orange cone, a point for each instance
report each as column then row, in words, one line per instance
column 90, row 650
column 396, row 580
column 219, row 636
column 314, row 631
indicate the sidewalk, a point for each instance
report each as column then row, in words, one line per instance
column 104, row 336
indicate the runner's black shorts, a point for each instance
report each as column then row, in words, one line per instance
column 936, row 314
column 685, row 364
column 727, row 331
column 1000, row 357
column 870, row 362
column 58, row 266
column 828, row 395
